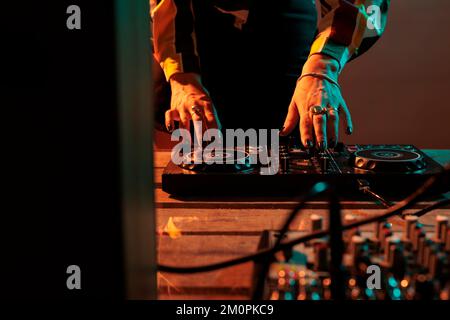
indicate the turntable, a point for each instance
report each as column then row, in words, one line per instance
column 395, row 170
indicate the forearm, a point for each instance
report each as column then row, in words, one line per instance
column 173, row 37
column 349, row 28
column 322, row 64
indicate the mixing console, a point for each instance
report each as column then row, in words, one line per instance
column 378, row 264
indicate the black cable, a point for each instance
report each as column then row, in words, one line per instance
column 392, row 211
column 283, row 246
column 429, row 208
column 364, row 186
column 315, row 190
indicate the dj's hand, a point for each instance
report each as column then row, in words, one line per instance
column 188, row 91
column 315, row 93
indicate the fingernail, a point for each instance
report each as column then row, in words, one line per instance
column 349, row 130
column 309, row 144
column 169, row 128
column 322, row 145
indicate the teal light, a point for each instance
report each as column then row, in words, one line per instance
column 288, row 296
column 315, row 296
column 369, row 292
column 396, row 293
column 392, row 282
column 292, row 282
column 320, row 187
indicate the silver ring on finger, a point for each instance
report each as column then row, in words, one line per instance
column 318, row 110
column 335, row 109
column 197, row 110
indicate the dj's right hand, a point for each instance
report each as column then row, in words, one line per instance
column 188, row 91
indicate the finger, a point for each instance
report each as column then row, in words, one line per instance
column 171, row 116
column 306, row 131
column 348, row 117
column 332, row 127
column 320, row 129
column 185, row 118
column 291, row 119
column 197, row 113
column 211, row 118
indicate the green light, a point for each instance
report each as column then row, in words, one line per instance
column 315, row 296
column 288, row 296
column 392, row 282
column 320, row 187
column 292, row 282
column 397, row 293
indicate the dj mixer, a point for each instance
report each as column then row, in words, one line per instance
column 393, row 170
column 413, row 263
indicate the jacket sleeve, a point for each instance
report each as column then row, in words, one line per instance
column 173, row 36
column 348, row 28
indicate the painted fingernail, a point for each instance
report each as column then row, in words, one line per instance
column 349, row 130
column 321, row 145
column 309, row 144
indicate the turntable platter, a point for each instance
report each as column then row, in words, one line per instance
column 388, row 160
column 218, row 160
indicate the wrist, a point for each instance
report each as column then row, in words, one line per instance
column 322, row 64
column 185, row 79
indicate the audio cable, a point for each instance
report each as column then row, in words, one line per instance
column 390, row 212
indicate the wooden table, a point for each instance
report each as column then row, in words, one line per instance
column 195, row 231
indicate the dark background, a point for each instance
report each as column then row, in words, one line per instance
column 398, row 92
column 59, row 85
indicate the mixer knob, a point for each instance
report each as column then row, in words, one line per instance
column 356, row 248
column 321, row 252
column 417, row 230
column 428, row 249
column 350, row 218
column 437, row 264
column 441, row 228
column 420, row 247
column 385, row 230
column 391, row 245
column 284, row 163
column 410, row 222
column 324, row 163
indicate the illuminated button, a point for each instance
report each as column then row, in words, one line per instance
column 288, row 296
column 404, row 283
column 392, row 282
column 351, row 282
column 396, row 293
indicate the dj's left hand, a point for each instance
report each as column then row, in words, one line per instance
column 324, row 94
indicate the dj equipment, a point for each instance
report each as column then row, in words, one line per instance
column 395, row 170
column 412, row 264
